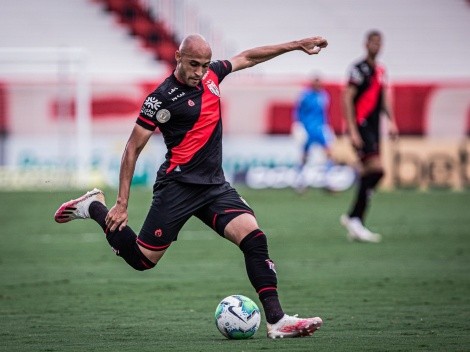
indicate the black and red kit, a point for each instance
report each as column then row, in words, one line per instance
column 189, row 119
column 190, row 182
column 369, row 82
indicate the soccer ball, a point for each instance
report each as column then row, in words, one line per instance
column 237, row 317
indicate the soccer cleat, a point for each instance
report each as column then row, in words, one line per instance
column 78, row 208
column 292, row 326
column 357, row 231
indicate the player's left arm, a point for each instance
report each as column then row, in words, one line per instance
column 387, row 109
column 252, row 57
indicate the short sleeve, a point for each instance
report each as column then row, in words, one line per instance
column 355, row 76
column 147, row 116
column 221, row 68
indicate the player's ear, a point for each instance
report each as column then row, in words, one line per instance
column 177, row 56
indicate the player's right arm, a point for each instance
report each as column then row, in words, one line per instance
column 117, row 216
column 255, row 56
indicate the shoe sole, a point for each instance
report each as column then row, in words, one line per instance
column 308, row 330
column 65, row 212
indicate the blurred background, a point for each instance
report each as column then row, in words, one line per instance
column 73, row 76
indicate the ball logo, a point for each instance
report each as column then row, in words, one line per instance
column 230, row 309
column 163, row 115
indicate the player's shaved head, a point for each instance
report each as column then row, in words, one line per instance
column 192, row 59
column 195, row 45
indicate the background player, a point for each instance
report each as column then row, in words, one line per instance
column 186, row 109
column 311, row 114
column 365, row 99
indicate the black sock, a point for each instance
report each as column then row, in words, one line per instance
column 122, row 242
column 98, row 212
column 272, row 309
column 262, row 274
column 367, row 185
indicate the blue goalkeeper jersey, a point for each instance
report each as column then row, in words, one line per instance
column 312, row 109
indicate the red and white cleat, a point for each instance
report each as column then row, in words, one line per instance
column 292, row 326
column 78, row 208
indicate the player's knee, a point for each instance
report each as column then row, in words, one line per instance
column 255, row 241
column 125, row 246
column 135, row 258
column 377, row 173
column 372, row 178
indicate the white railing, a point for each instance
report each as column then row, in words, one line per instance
column 63, row 67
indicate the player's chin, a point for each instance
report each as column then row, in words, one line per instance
column 192, row 82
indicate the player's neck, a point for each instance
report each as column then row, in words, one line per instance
column 371, row 60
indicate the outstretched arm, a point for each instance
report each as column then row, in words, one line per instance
column 252, row 57
column 117, row 216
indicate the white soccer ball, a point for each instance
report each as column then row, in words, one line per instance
column 237, row 317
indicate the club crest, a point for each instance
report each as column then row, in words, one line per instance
column 213, row 87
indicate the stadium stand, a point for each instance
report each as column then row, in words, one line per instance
column 158, row 23
column 81, row 23
column 142, row 23
column 124, row 37
column 421, row 41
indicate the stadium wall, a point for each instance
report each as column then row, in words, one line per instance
column 39, row 131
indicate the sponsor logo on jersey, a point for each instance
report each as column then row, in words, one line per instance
column 150, row 106
column 152, row 103
column 147, row 112
column 213, row 87
column 163, row 115
column 174, row 89
column 175, row 98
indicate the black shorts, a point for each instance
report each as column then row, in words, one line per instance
column 175, row 202
column 371, row 138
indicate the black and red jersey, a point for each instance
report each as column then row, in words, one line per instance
column 189, row 119
column 370, row 82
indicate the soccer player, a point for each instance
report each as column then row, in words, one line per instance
column 311, row 115
column 365, row 100
column 186, row 109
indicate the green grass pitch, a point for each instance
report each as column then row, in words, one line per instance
column 63, row 289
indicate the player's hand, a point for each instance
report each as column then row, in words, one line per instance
column 393, row 130
column 117, row 217
column 356, row 139
column 312, row 46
